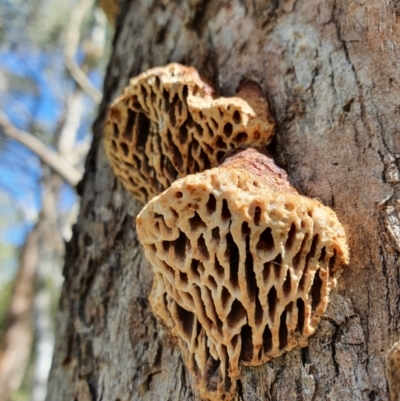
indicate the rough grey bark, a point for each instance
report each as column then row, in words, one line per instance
column 329, row 69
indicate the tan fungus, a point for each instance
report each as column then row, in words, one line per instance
column 393, row 371
column 243, row 266
column 168, row 123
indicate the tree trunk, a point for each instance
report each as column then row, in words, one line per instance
column 16, row 347
column 329, row 69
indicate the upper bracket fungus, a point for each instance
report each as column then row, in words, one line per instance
column 168, row 123
column 243, row 266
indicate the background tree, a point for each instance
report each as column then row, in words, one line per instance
column 51, row 64
column 329, row 69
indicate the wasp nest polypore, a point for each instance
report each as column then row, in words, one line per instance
column 243, row 266
column 168, row 123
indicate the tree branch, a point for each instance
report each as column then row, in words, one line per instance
column 47, row 155
column 72, row 43
column 82, row 80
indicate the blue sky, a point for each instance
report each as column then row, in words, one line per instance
column 42, row 102
column 20, row 169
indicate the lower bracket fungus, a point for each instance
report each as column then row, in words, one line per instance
column 169, row 123
column 393, row 371
column 243, row 266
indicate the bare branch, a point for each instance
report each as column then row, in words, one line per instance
column 47, row 155
column 72, row 43
column 82, row 79
column 72, row 121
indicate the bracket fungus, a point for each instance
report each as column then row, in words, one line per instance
column 243, row 266
column 393, row 371
column 168, row 123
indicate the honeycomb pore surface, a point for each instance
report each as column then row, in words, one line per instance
column 242, row 272
column 168, row 123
